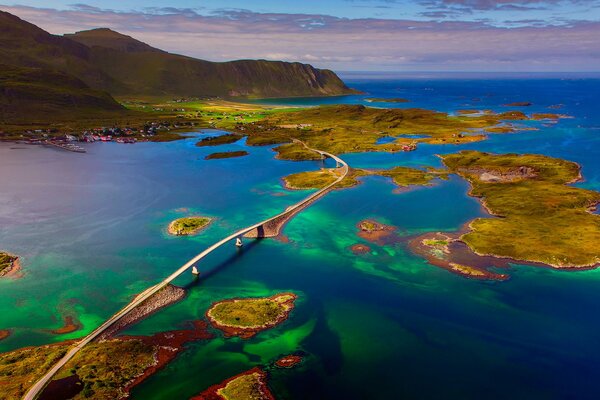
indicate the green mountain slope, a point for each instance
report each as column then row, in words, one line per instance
column 41, row 95
column 145, row 70
column 25, row 45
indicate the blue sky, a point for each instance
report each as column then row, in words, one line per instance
column 389, row 35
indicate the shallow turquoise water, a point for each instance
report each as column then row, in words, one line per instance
column 91, row 230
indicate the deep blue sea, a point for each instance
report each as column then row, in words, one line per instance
column 91, row 231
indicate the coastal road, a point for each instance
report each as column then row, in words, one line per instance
column 37, row 388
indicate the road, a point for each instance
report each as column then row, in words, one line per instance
column 37, row 388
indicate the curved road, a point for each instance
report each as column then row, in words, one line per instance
column 36, row 389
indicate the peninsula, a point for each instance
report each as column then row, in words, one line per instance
column 543, row 219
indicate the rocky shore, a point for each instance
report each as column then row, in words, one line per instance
column 169, row 295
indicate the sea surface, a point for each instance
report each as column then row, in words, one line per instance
column 91, row 230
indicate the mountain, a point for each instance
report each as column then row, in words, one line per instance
column 42, row 95
column 121, row 65
column 25, row 45
column 145, row 70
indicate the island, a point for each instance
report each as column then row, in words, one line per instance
column 70, row 324
column 226, row 154
column 289, row 361
column 342, row 129
column 107, row 369
column 251, row 384
column 360, row 248
column 245, row 317
column 218, row 140
column 538, row 216
column 376, row 232
column 9, row 264
column 188, row 226
column 386, row 100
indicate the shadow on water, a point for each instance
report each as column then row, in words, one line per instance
column 239, row 252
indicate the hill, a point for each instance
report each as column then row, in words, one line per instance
column 42, row 95
column 145, row 70
column 121, row 65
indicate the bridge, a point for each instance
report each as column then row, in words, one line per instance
column 267, row 228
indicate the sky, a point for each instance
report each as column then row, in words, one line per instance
column 350, row 35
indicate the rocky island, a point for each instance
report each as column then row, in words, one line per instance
column 251, row 384
column 246, row 317
column 188, row 226
column 9, row 264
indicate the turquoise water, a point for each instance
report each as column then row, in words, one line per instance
column 91, row 231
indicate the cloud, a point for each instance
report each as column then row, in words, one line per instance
column 502, row 5
column 343, row 43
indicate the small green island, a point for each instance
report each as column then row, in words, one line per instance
column 249, row 385
column 248, row 316
column 542, row 218
column 218, row 140
column 8, row 263
column 226, row 154
column 188, row 226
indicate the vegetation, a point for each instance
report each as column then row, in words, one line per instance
column 295, row 152
column 311, row 179
column 104, row 368
column 543, row 219
column 6, row 261
column 218, row 140
column 355, row 128
column 401, row 176
column 404, row 176
column 226, row 154
column 107, row 367
column 18, row 368
column 188, row 225
column 49, row 95
column 251, row 314
column 251, row 385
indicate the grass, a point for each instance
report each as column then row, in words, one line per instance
column 404, row 176
column 250, row 313
column 218, row 140
column 401, row 176
column 543, row 218
column 6, row 261
column 355, row 128
column 226, row 154
column 19, row 368
column 249, row 386
column 188, row 225
column 311, row 179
